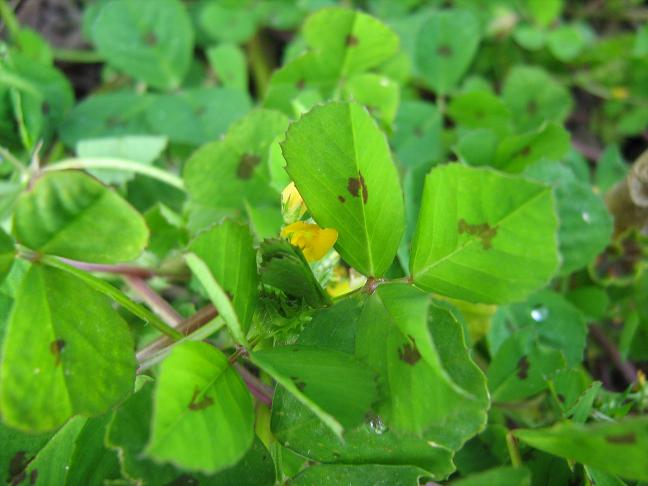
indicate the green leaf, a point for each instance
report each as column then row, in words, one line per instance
column 227, row 249
column 418, row 351
column 480, row 109
column 515, row 153
column 378, row 93
column 534, row 97
column 17, row 451
column 62, row 358
column 618, row 448
column 417, row 133
column 76, row 455
column 335, row 382
column 106, row 115
column 283, row 266
column 342, row 44
column 149, row 40
column 198, row 115
column 42, row 99
column 218, row 297
column 373, row 442
column 225, row 174
column 501, row 476
column 203, row 418
column 143, row 149
column 445, row 46
column 585, row 224
column 7, row 254
column 348, row 42
column 610, row 168
column 566, row 42
column 128, row 433
column 226, row 21
column 229, row 65
column 521, row 367
column 555, row 321
column 483, row 236
column 353, row 475
column 342, row 167
column 167, row 230
column 544, row 12
column 72, row 215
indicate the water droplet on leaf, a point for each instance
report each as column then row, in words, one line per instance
column 376, row 424
column 586, row 217
column 539, row 313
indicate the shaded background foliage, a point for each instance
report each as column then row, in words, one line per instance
column 519, row 355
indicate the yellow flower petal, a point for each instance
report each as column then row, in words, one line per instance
column 315, row 242
column 292, row 204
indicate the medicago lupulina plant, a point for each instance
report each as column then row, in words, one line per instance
column 385, row 272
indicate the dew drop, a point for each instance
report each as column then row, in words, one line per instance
column 539, row 313
column 586, row 217
column 376, row 424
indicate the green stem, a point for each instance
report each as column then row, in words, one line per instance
column 259, row 56
column 9, row 157
column 79, row 56
column 514, row 452
column 118, row 164
column 8, row 17
column 115, row 294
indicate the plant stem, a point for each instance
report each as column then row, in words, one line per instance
column 186, row 327
column 628, row 371
column 78, row 56
column 121, row 269
column 260, row 390
column 9, row 18
column 514, row 452
column 118, row 164
column 9, row 157
column 157, row 304
column 114, row 293
column 259, row 56
column 151, row 355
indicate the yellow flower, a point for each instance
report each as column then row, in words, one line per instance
column 314, row 242
column 344, row 281
column 292, row 204
column 619, row 93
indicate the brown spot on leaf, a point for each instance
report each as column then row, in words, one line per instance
column 55, row 348
column 113, row 121
column 523, row 368
column 33, row 476
column 409, row 352
column 526, row 151
column 351, row 40
column 561, row 398
column 341, row 199
column 45, row 108
column 151, row 39
column 444, row 50
column 201, row 404
column 17, row 464
column 356, row 185
column 300, row 84
column 200, row 111
column 298, row 383
column 483, row 231
column 246, row 166
column 532, row 107
column 629, row 438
